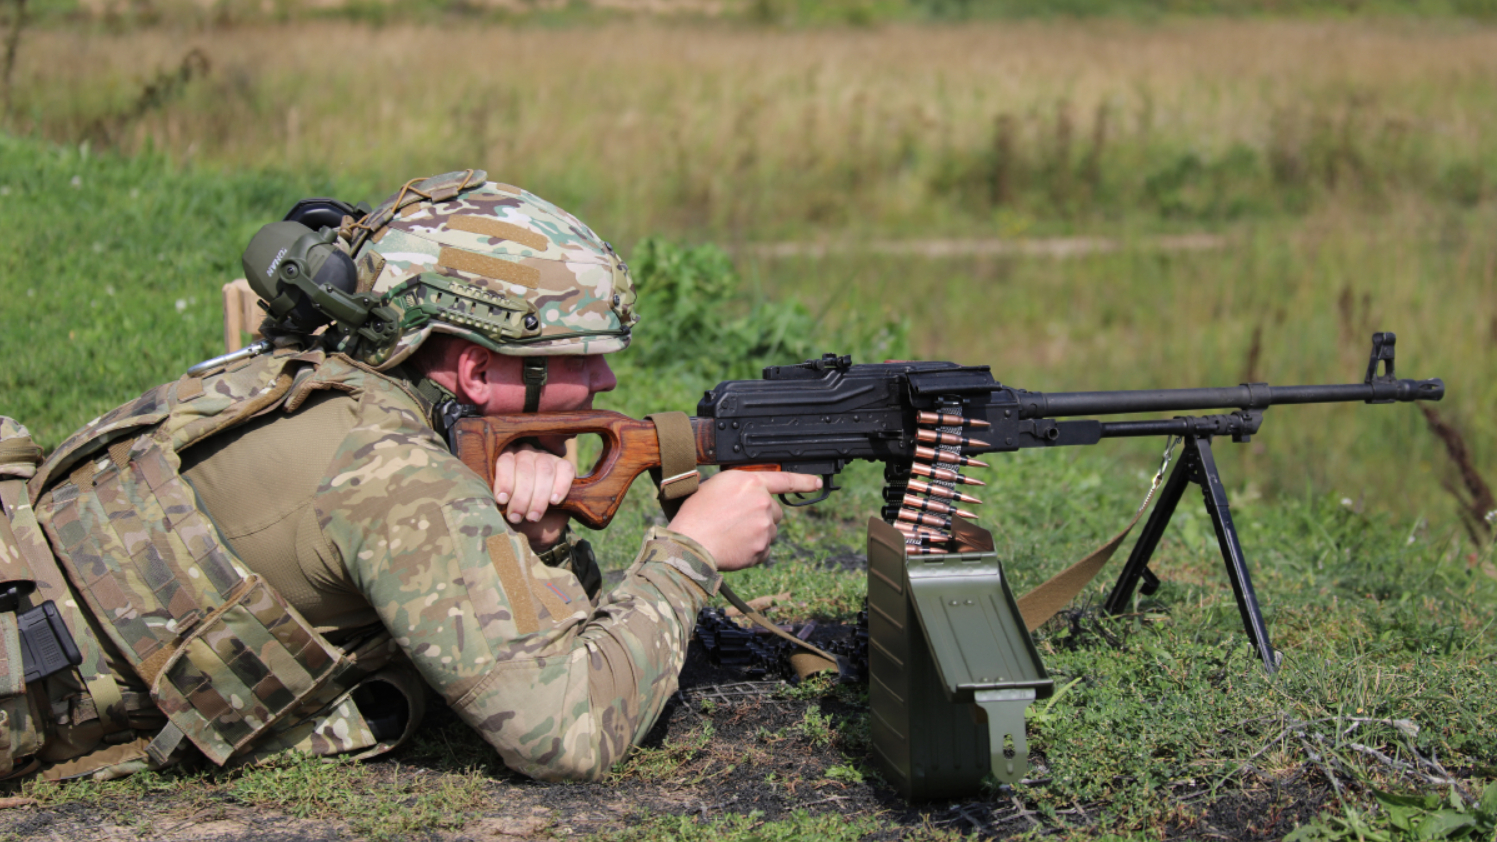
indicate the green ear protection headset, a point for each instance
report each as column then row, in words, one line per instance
column 305, row 281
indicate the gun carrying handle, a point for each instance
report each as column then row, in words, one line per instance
column 630, row 447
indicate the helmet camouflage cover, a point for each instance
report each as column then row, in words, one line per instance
column 493, row 264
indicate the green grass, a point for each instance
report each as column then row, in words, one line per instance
column 1349, row 192
column 110, row 274
column 374, row 802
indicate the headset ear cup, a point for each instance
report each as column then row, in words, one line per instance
column 262, row 259
column 321, row 212
column 338, row 271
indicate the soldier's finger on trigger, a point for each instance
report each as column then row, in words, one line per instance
column 787, row 483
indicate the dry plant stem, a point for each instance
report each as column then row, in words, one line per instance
column 1407, row 768
column 1479, row 501
column 12, row 45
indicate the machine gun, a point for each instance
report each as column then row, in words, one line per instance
column 921, row 419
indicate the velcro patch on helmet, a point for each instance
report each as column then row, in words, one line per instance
column 489, row 267
column 489, row 227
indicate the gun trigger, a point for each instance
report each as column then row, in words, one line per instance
column 827, row 487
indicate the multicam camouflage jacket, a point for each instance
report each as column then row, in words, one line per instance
column 329, row 529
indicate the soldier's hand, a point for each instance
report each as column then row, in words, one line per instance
column 734, row 514
column 528, row 481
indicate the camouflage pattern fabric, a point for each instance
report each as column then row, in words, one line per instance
column 561, row 683
column 553, row 283
column 224, row 657
column 560, row 686
column 20, row 722
column 86, row 704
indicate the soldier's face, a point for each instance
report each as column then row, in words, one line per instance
column 571, row 381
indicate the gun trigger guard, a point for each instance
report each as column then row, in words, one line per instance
column 826, row 491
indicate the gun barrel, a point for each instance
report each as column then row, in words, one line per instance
column 1246, row 396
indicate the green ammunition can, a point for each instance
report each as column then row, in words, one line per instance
column 951, row 666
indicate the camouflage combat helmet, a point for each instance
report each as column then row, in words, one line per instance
column 493, row 264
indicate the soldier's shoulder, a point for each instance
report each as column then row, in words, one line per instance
column 393, row 458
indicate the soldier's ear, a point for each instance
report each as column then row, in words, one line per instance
column 488, row 380
column 472, row 364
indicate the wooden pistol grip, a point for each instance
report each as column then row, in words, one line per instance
column 630, row 447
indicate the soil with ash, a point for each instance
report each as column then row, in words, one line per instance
column 759, row 757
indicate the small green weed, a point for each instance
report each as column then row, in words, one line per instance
column 816, row 727
column 653, row 764
column 816, row 687
column 846, row 773
column 1406, row 818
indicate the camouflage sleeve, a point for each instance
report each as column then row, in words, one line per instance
column 559, row 687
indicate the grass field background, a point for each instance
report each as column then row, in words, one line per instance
column 1345, row 169
column 1338, row 175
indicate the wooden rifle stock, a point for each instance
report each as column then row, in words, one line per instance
column 630, row 447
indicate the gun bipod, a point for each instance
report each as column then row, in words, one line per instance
column 1197, row 465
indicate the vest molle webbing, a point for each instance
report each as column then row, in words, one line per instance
column 33, row 584
column 225, row 657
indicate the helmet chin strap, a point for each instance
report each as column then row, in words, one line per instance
column 533, row 372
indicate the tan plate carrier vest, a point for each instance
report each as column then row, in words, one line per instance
column 138, row 561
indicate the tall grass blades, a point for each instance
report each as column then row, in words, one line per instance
column 741, row 133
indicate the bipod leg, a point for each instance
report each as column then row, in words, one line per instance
column 1231, row 547
column 1148, row 540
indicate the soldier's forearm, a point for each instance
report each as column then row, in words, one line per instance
column 572, row 715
